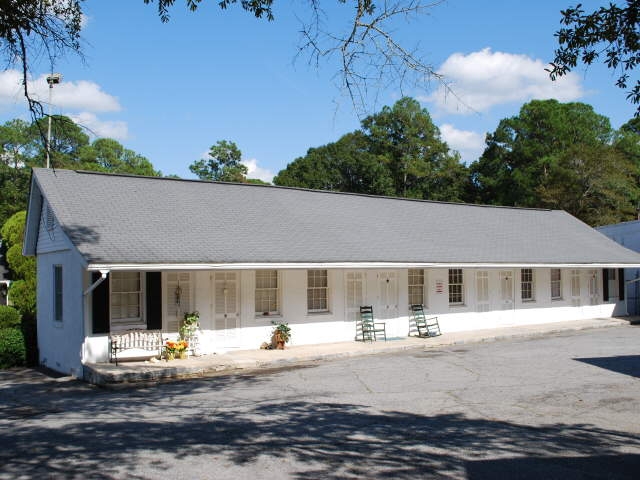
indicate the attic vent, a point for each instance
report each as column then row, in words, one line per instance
column 49, row 219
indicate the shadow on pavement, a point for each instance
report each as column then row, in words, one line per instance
column 626, row 364
column 87, row 432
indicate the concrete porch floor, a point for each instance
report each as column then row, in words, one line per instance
column 108, row 374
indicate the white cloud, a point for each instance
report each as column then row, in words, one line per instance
column 101, row 128
column 483, row 79
column 81, row 95
column 255, row 171
column 470, row 144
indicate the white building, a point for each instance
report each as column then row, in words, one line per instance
column 117, row 252
column 628, row 235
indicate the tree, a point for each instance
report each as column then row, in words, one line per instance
column 108, row 155
column 611, row 32
column 397, row 152
column 223, row 164
column 343, row 166
column 17, row 146
column 367, row 51
column 23, row 289
column 420, row 163
column 559, row 155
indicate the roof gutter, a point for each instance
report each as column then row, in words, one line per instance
column 151, row 267
column 95, row 284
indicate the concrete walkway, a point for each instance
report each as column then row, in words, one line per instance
column 108, row 374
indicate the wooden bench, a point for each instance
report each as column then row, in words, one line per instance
column 135, row 344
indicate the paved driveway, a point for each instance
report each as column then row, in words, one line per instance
column 566, row 406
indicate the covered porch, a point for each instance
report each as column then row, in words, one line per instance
column 244, row 361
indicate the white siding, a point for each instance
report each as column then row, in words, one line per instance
column 51, row 238
column 60, row 344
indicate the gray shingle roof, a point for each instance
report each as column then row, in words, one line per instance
column 127, row 219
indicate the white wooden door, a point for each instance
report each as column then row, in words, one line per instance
column 226, row 302
column 179, row 298
column 506, row 289
column 482, row 291
column 355, row 293
column 387, row 296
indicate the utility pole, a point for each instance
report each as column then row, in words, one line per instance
column 52, row 80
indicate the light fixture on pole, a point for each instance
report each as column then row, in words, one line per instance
column 52, row 80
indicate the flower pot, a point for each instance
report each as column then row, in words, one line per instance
column 170, row 356
column 183, row 355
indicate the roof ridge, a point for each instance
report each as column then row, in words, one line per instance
column 302, row 189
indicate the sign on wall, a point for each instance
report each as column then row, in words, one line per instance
column 439, row 286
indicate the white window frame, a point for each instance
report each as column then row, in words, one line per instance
column 125, row 323
column 417, row 280
column 314, row 289
column 58, row 293
column 273, row 293
column 555, row 282
column 527, row 284
column 457, row 274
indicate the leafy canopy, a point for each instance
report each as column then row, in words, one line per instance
column 611, row 32
column 398, row 151
column 559, row 155
column 223, row 164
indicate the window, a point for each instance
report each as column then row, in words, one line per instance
column 527, row 285
column 556, row 284
column 267, row 292
column 416, row 287
column 317, row 291
column 126, row 296
column 456, row 287
column 57, row 293
column 613, row 284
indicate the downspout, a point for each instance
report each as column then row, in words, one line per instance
column 626, row 297
column 94, row 285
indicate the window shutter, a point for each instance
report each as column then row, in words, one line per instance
column 154, row 301
column 621, row 289
column 100, row 305
column 605, row 285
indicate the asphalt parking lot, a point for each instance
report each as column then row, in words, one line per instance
column 563, row 406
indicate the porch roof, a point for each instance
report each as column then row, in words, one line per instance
column 145, row 221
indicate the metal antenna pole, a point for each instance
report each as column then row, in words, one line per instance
column 52, row 80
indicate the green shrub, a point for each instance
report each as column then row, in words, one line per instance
column 23, row 296
column 12, row 351
column 9, row 317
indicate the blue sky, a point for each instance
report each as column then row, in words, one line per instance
column 170, row 91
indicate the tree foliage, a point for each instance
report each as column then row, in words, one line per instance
column 610, row 32
column 559, row 156
column 23, row 289
column 223, row 164
column 397, row 152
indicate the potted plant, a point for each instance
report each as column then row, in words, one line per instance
column 181, row 349
column 170, row 348
column 281, row 334
column 189, row 328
